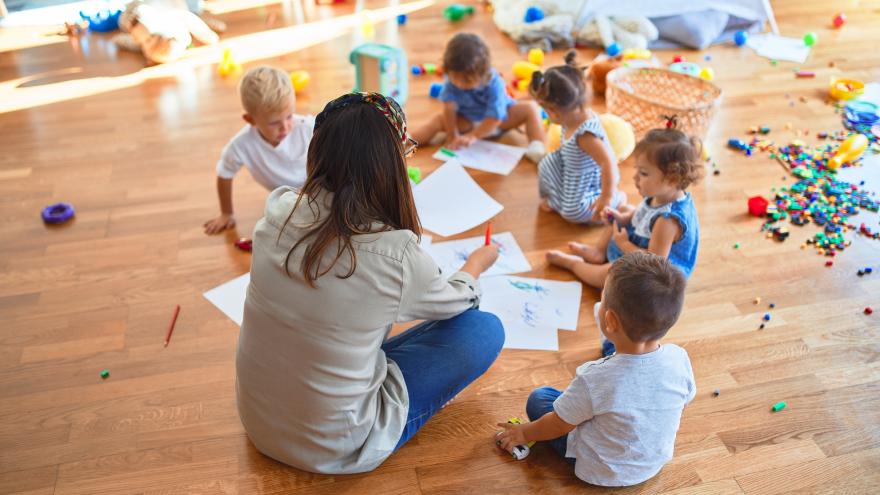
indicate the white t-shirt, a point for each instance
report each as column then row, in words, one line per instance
column 627, row 409
column 283, row 165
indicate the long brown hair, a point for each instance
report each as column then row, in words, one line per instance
column 355, row 155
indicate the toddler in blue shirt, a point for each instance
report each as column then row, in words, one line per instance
column 476, row 104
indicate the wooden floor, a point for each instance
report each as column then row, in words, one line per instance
column 134, row 150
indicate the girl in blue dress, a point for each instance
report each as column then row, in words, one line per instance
column 664, row 223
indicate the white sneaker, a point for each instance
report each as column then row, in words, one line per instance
column 536, row 151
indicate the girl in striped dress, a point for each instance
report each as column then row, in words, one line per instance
column 580, row 179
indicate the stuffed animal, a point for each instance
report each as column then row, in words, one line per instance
column 161, row 31
column 628, row 32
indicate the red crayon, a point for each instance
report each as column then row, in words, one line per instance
column 489, row 233
column 171, row 326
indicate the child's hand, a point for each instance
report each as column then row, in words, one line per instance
column 510, row 437
column 463, row 141
column 599, row 210
column 619, row 234
column 219, row 224
column 611, row 215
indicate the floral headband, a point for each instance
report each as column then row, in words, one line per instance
column 386, row 106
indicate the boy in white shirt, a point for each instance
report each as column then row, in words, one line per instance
column 618, row 418
column 273, row 145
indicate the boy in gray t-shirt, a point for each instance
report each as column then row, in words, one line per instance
column 618, row 418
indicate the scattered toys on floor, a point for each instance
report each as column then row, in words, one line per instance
column 457, row 12
column 245, row 244
column 228, row 66
column 435, row 90
column 811, row 38
column 778, row 406
column 838, row 20
column 740, row 38
column 300, row 79
column 58, row 213
column 381, row 69
column 105, row 374
column 533, row 14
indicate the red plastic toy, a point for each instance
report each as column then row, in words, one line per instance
column 245, row 244
column 758, row 206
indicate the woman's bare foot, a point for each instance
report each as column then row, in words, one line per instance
column 588, row 253
column 563, row 260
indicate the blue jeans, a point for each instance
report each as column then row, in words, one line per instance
column 540, row 403
column 439, row 359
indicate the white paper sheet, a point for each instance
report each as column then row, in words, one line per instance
column 519, row 336
column 450, row 255
column 533, row 301
column 488, row 156
column 229, row 297
column 779, row 47
column 449, row 201
column 532, row 309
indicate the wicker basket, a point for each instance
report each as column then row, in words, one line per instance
column 644, row 96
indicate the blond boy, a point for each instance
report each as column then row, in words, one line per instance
column 272, row 146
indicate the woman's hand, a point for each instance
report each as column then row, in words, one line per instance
column 481, row 260
column 511, row 436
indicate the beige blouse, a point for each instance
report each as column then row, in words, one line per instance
column 314, row 388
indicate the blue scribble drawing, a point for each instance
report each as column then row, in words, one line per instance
column 527, row 287
column 529, row 314
column 461, row 255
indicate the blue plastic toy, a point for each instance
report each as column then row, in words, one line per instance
column 613, row 50
column 58, row 213
column 102, row 21
column 435, row 90
column 533, row 14
column 740, row 38
column 401, row 19
column 381, row 69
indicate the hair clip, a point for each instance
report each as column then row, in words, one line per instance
column 671, row 121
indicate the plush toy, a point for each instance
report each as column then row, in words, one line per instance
column 161, row 31
column 620, row 135
column 634, row 32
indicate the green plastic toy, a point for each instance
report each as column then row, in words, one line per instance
column 456, row 12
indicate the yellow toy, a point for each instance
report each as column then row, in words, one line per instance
column 536, row 56
column 849, row 150
column 523, row 70
column 636, row 54
column 523, row 84
column 554, row 137
column 846, row 89
column 228, row 65
column 707, row 73
column 300, row 79
column 620, row 135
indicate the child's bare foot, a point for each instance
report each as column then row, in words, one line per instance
column 563, row 260
column 588, row 253
column 545, row 206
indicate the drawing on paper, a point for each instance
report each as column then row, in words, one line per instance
column 529, row 314
column 530, row 287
